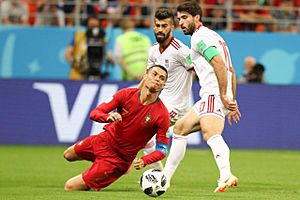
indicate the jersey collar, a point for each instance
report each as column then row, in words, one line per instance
column 161, row 51
column 139, row 94
column 198, row 28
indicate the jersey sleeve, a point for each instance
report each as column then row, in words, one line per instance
column 207, row 47
column 150, row 61
column 203, row 43
column 162, row 141
column 101, row 112
column 162, row 128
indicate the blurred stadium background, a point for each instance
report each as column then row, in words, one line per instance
column 41, row 111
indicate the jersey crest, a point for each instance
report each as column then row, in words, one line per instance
column 167, row 64
column 147, row 119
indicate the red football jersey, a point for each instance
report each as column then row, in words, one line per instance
column 139, row 122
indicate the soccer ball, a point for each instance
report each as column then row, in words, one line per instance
column 153, row 182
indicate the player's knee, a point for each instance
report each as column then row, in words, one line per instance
column 207, row 135
column 178, row 129
column 68, row 156
column 69, row 186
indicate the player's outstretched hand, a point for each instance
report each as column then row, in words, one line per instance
column 114, row 117
column 233, row 115
column 229, row 104
column 138, row 163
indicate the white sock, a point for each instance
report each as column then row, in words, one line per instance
column 177, row 152
column 149, row 148
column 221, row 154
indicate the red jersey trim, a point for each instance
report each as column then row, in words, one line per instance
column 161, row 51
column 176, row 43
column 198, row 28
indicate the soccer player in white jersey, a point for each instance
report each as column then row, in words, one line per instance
column 175, row 57
column 213, row 67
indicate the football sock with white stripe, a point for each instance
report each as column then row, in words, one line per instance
column 221, row 154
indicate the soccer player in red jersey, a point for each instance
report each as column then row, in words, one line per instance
column 139, row 115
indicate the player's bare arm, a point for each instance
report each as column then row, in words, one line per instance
column 234, row 115
column 233, row 83
column 220, row 70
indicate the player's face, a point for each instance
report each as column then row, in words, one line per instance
column 163, row 29
column 93, row 23
column 186, row 22
column 155, row 79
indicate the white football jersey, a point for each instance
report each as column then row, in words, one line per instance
column 202, row 39
column 177, row 92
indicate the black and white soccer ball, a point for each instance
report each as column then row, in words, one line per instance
column 153, row 182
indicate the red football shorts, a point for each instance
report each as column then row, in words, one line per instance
column 107, row 166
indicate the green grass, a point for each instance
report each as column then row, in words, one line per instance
column 40, row 173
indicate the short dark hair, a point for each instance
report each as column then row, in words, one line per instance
column 89, row 18
column 191, row 7
column 160, row 66
column 164, row 13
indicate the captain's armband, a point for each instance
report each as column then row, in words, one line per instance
column 210, row 52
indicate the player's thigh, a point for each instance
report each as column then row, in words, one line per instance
column 187, row 124
column 85, row 149
column 103, row 173
column 211, row 125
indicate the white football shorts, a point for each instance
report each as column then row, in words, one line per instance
column 210, row 105
column 175, row 113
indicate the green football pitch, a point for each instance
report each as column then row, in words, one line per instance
column 40, row 172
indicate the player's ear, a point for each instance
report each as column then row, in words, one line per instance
column 173, row 27
column 197, row 18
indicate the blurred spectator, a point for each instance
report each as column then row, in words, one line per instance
column 217, row 18
column 86, row 10
column 143, row 14
column 49, row 14
column 256, row 75
column 67, row 6
column 87, row 51
column 122, row 8
column 32, row 6
column 131, row 51
column 285, row 16
column 249, row 63
column 114, row 12
column 207, row 5
column 13, row 12
column 253, row 16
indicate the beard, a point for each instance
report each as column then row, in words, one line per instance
column 162, row 39
column 190, row 29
